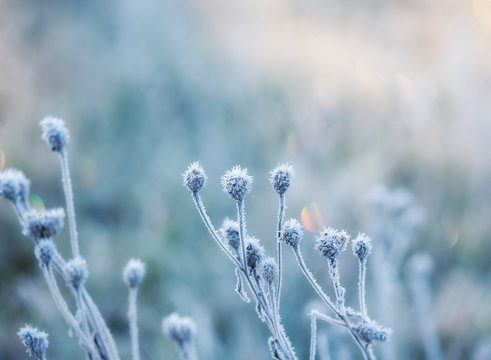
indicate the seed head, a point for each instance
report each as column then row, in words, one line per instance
column 194, row 177
column 370, row 331
column 14, row 185
column 331, row 242
column 230, row 231
column 43, row 224
column 133, row 273
column 55, row 133
column 292, row 232
column 236, row 183
column 254, row 252
column 44, row 251
column 76, row 272
column 35, row 341
column 179, row 329
column 281, row 178
column 269, row 270
column 362, row 246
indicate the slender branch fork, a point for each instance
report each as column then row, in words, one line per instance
column 268, row 311
column 340, row 313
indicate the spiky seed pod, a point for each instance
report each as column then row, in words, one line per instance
column 44, row 251
column 269, row 270
column 331, row 242
column 362, row 246
column 236, row 183
column 14, row 185
column 76, row 272
column 179, row 329
column 254, row 253
column 134, row 272
column 43, row 224
column 281, row 178
column 35, row 341
column 370, row 331
column 55, row 133
column 194, row 177
column 291, row 232
column 230, row 231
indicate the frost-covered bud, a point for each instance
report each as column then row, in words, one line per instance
column 35, row 341
column 76, row 272
column 230, row 231
column 44, row 251
column 362, row 246
column 254, row 252
column 236, row 183
column 292, row 232
column 370, row 331
column 331, row 242
column 14, row 185
column 55, row 133
column 43, row 224
column 194, row 177
column 281, row 178
column 179, row 329
column 134, row 273
column 269, row 270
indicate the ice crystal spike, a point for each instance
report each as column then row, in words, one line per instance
column 331, row 242
column 292, row 232
column 76, row 272
column 14, row 185
column 362, row 246
column 35, row 341
column 55, row 133
column 281, row 178
column 43, row 224
column 194, row 177
column 134, row 273
column 236, row 183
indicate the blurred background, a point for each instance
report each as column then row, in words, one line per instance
column 382, row 107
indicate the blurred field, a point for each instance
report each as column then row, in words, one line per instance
column 353, row 94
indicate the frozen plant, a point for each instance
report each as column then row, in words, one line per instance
column 262, row 275
column 85, row 321
column 181, row 330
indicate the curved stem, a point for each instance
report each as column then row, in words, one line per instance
column 211, row 229
column 67, row 188
column 342, row 316
column 65, row 312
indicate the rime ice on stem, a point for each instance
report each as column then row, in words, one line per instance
column 253, row 267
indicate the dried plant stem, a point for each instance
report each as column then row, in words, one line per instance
column 132, row 318
column 67, row 188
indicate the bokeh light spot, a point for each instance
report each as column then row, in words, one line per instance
column 37, row 202
column 90, row 171
column 2, row 160
column 311, row 217
column 482, row 11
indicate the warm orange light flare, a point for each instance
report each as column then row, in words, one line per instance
column 482, row 11
column 2, row 160
column 311, row 217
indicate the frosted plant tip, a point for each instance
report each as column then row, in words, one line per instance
column 194, row 177
column 55, row 133
column 133, row 273
column 281, row 178
column 236, row 183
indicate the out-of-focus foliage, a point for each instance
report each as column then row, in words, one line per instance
column 353, row 94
